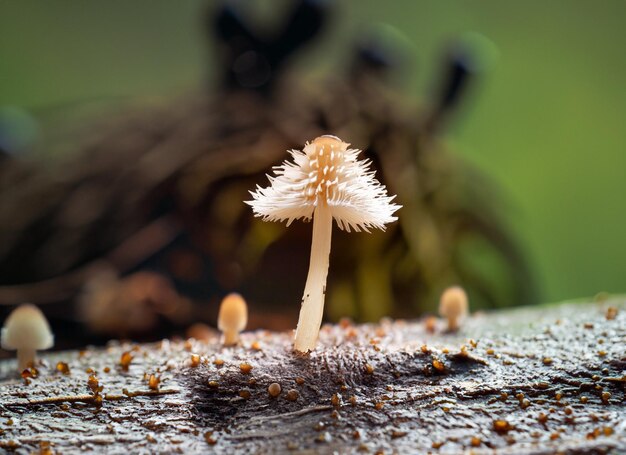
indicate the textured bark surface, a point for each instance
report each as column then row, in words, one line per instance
column 540, row 380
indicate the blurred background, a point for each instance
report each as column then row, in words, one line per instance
column 131, row 131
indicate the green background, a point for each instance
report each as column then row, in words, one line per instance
column 547, row 121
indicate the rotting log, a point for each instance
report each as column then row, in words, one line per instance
column 530, row 380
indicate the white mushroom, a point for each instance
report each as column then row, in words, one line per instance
column 453, row 306
column 27, row 331
column 325, row 181
column 232, row 318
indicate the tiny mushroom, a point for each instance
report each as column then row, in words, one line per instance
column 232, row 318
column 26, row 330
column 325, row 181
column 453, row 306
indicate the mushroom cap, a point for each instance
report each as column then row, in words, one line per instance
column 233, row 314
column 27, row 328
column 326, row 172
column 453, row 302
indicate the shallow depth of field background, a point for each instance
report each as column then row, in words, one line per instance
column 547, row 121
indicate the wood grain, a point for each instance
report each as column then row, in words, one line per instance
column 529, row 380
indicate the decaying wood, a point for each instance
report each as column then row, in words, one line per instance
column 540, row 380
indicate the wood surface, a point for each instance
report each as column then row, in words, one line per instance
column 529, row 380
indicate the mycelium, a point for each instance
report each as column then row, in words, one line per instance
column 325, row 181
column 26, row 330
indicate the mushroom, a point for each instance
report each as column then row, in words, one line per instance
column 325, row 181
column 453, row 306
column 232, row 318
column 27, row 331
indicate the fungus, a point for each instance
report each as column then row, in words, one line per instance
column 453, row 306
column 26, row 330
column 232, row 318
column 325, row 181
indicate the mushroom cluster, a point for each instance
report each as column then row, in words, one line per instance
column 325, row 181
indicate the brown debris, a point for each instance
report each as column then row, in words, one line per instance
column 62, row 367
column 153, row 382
column 195, row 360
column 274, row 389
column 501, row 426
column 125, row 359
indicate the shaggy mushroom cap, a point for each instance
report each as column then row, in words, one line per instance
column 326, row 171
column 453, row 303
column 326, row 181
column 27, row 328
column 233, row 314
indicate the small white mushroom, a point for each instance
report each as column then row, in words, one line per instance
column 232, row 318
column 453, row 306
column 26, row 330
column 325, row 181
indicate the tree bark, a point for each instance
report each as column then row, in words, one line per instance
column 530, row 380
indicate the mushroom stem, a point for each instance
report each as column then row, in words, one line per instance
column 312, row 308
column 231, row 338
column 25, row 358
